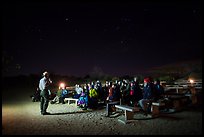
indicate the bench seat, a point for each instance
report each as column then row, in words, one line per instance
column 71, row 99
column 129, row 113
column 155, row 108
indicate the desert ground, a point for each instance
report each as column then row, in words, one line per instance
column 21, row 116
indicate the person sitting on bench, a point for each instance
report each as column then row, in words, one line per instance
column 145, row 103
column 158, row 90
column 112, row 99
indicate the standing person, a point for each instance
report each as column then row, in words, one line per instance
column 44, row 92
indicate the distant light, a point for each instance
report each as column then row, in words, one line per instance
column 191, row 81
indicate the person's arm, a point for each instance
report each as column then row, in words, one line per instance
column 47, row 82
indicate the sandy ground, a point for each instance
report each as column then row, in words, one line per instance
column 23, row 118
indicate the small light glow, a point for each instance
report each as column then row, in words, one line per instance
column 191, row 81
column 62, row 85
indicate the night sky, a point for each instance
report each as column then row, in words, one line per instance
column 118, row 38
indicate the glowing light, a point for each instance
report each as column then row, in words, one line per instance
column 191, row 81
column 62, row 85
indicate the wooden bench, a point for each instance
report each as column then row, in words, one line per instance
column 129, row 113
column 110, row 106
column 193, row 98
column 71, row 99
column 178, row 102
column 155, row 108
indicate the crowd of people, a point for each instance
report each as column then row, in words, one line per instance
column 130, row 93
column 89, row 95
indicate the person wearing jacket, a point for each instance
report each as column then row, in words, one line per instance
column 147, row 95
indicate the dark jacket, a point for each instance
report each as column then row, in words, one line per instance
column 148, row 91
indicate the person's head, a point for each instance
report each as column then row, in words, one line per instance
column 89, row 85
column 146, row 81
column 113, row 85
column 110, row 83
column 92, row 86
column 135, row 79
column 85, row 86
column 157, row 81
column 45, row 74
column 107, row 84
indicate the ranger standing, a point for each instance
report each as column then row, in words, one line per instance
column 44, row 93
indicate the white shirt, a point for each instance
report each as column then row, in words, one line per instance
column 43, row 82
column 78, row 90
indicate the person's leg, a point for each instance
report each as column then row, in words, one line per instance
column 144, row 102
column 90, row 103
column 132, row 101
column 41, row 104
column 96, row 103
column 45, row 106
column 60, row 99
column 107, row 109
column 141, row 103
column 54, row 99
column 86, row 102
column 45, row 101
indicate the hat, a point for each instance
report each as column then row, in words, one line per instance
column 147, row 80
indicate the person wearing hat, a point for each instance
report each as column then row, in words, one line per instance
column 44, row 92
column 147, row 95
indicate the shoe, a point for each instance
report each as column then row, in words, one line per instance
column 52, row 102
column 45, row 113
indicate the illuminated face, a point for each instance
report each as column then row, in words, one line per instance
column 145, row 84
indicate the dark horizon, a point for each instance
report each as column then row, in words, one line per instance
column 117, row 38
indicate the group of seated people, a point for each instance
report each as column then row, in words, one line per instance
column 61, row 94
column 126, row 92
column 135, row 96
